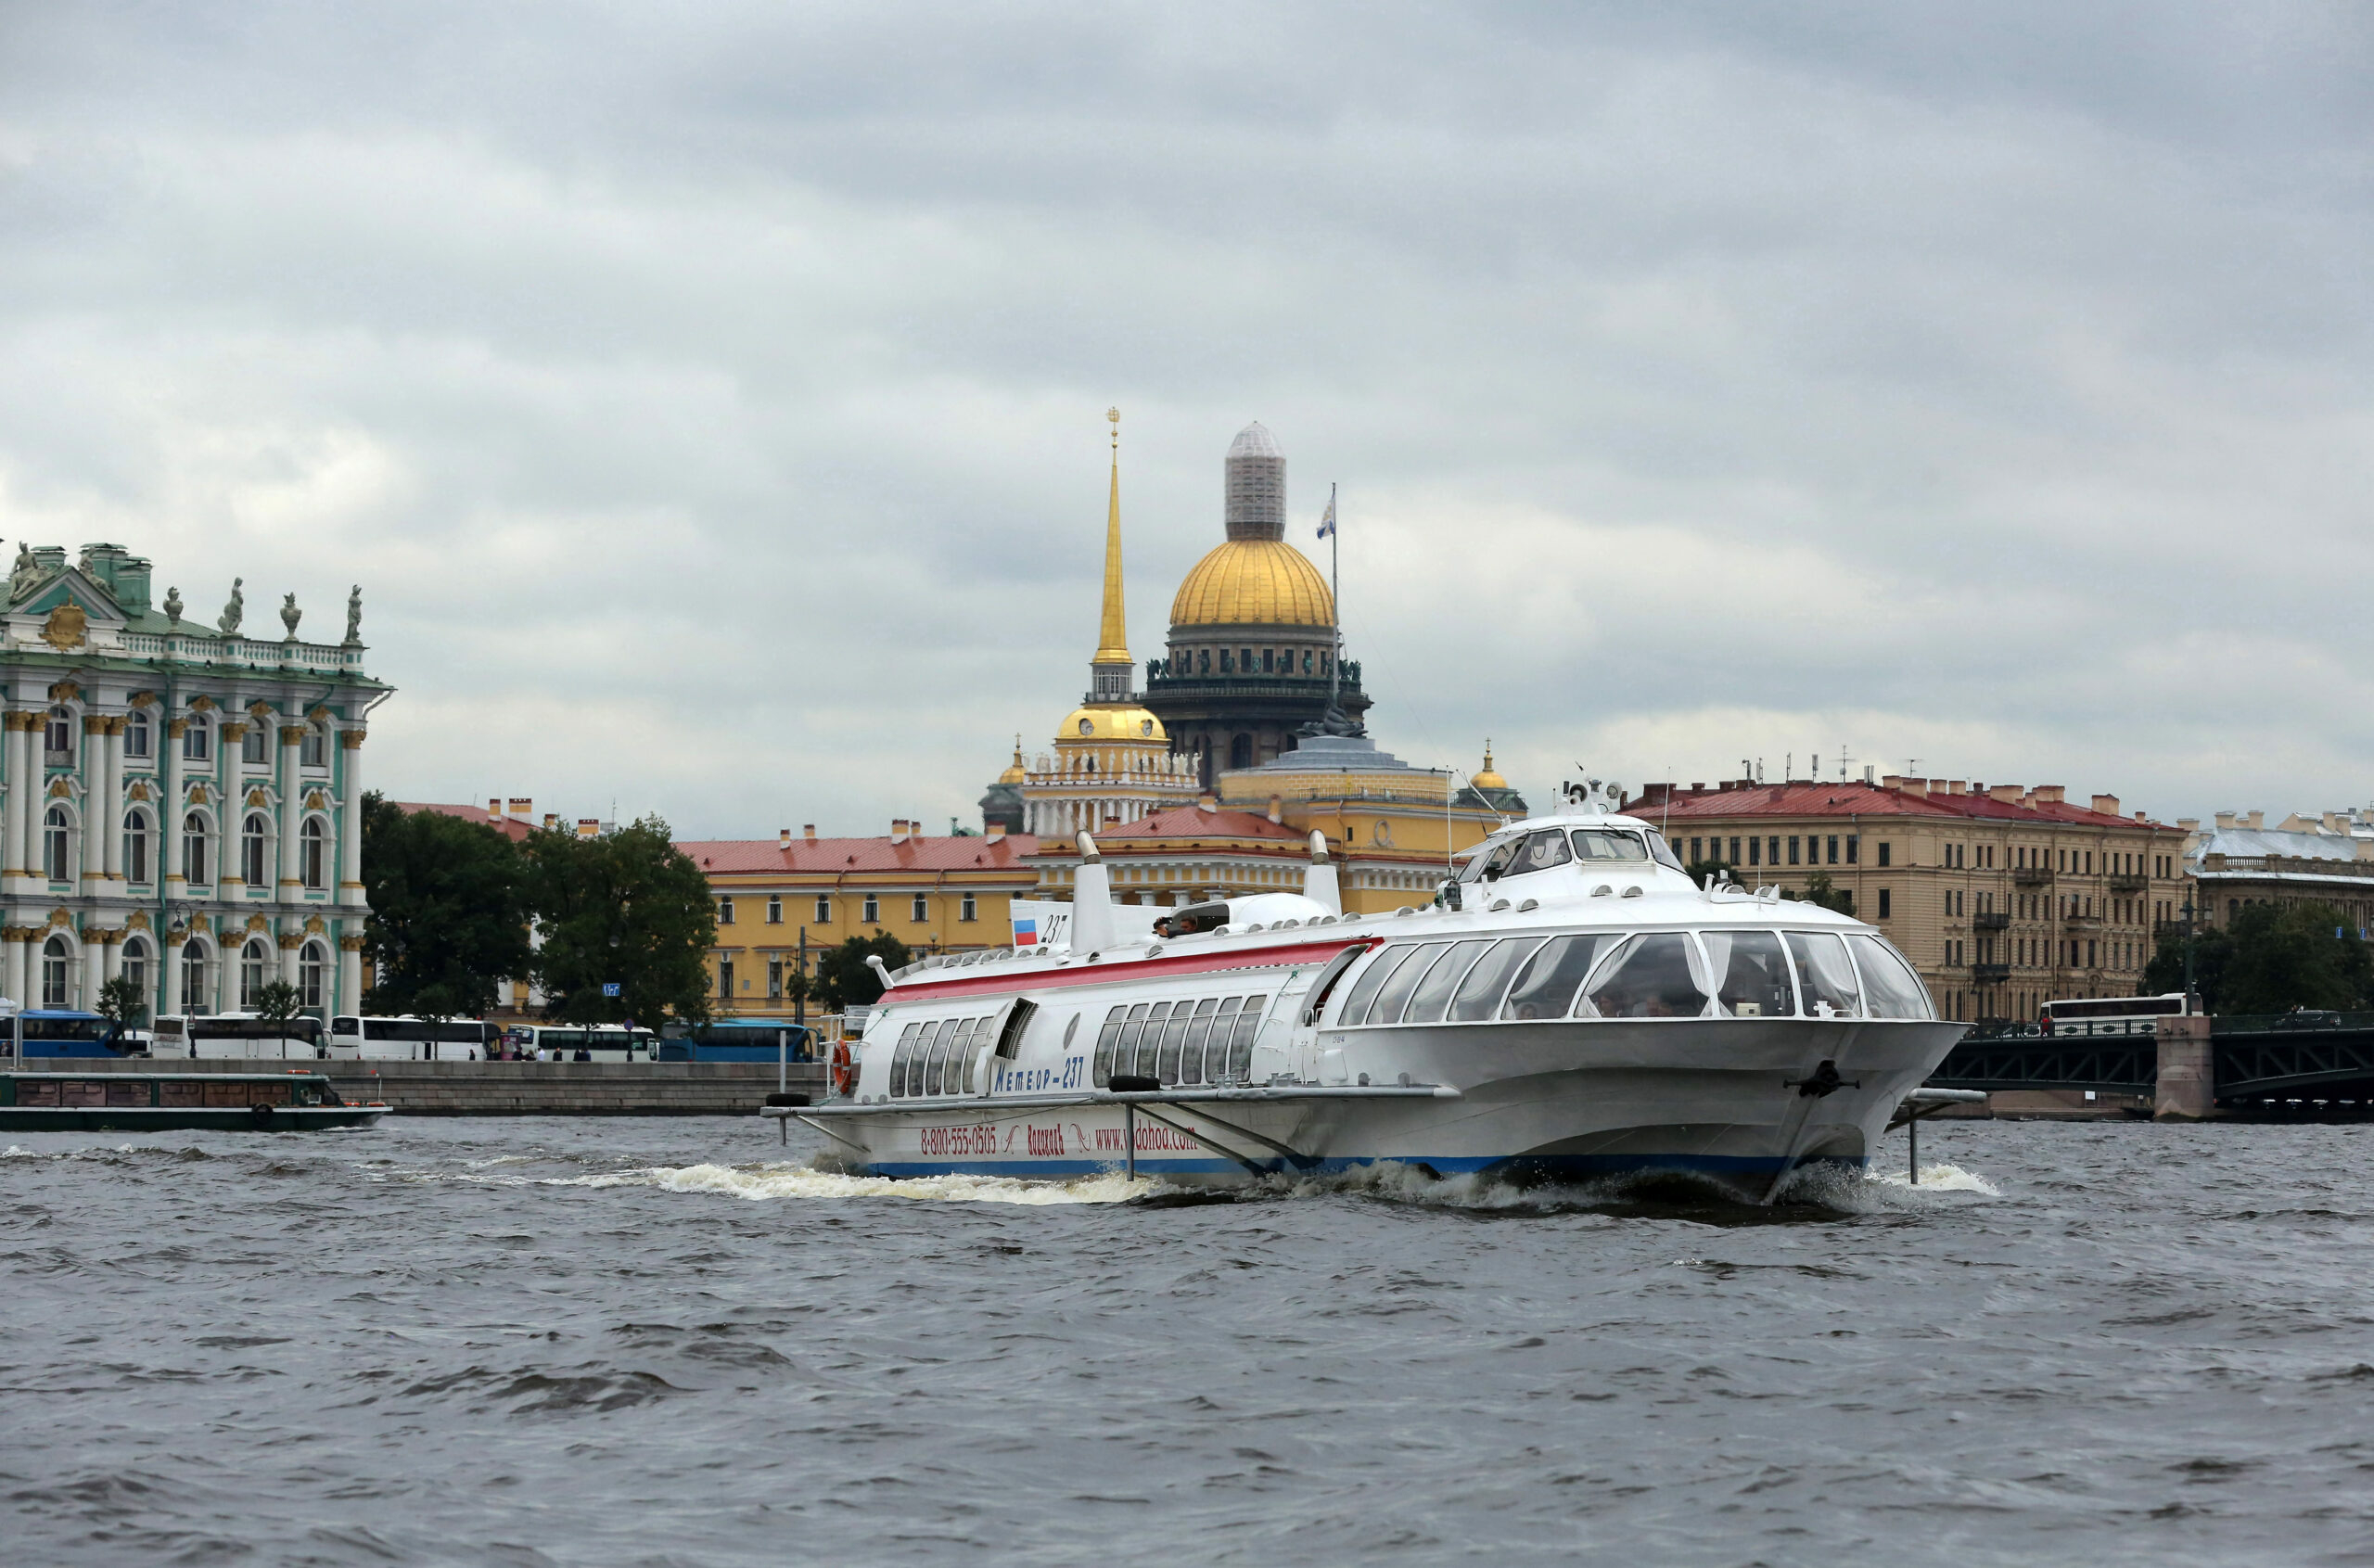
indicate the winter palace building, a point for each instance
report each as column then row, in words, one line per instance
column 182, row 800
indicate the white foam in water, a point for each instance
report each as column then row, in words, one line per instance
column 803, row 1181
column 1940, row 1179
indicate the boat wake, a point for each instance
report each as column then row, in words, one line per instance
column 790, row 1180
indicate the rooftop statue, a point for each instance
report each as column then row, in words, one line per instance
column 1334, row 723
column 21, row 575
column 354, row 616
column 173, row 606
column 233, row 611
column 290, row 615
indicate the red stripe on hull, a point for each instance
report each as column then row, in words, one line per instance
column 1007, row 982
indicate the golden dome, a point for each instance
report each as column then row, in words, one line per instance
column 1110, row 722
column 1014, row 772
column 1254, row 582
column 1489, row 779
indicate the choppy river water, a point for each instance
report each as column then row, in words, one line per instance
column 658, row 1342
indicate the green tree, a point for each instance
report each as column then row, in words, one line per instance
column 2295, row 955
column 279, row 1005
column 122, row 1002
column 449, row 912
column 1822, row 894
column 626, row 907
column 843, row 978
column 2212, row 951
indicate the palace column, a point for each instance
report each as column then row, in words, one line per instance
column 111, row 823
column 169, row 981
column 291, row 938
column 292, row 807
column 110, row 955
column 23, row 787
column 12, row 963
column 350, row 972
column 93, row 767
column 93, row 967
column 168, row 816
column 349, row 836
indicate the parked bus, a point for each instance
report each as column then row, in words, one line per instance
column 57, row 1032
column 2111, row 1015
column 236, row 1037
column 739, row 1040
column 407, row 1038
column 580, row 1042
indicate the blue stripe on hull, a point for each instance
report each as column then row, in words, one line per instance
column 1521, row 1170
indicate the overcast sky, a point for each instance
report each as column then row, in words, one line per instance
column 710, row 400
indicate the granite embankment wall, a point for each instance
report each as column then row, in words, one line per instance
column 526, row 1089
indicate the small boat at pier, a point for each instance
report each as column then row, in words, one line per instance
column 117, row 1101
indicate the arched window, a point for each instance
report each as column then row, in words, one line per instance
column 194, row 850
column 251, row 846
column 135, row 845
column 54, row 829
column 58, row 733
column 56, row 954
column 194, row 976
column 136, row 733
column 316, row 749
column 255, row 972
column 135, row 963
column 1239, row 751
column 312, row 964
column 312, row 840
column 197, row 738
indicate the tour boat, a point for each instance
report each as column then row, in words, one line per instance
column 1570, row 1006
column 64, row 1102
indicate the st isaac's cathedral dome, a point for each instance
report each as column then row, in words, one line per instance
column 1255, row 577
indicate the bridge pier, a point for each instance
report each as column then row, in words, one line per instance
column 2186, row 1089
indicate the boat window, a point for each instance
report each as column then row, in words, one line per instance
column 1494, row 864
column 1380, row 969
column 923, row 1043
column 934, row 1056
column 1390, row 1000
column 1191, row 1060
column 1173, row 1038
column 1540, row 852
column 1223, row 1028
column 1125, row 1057
column 1607, row 844
column 1545, row 986
column 1752, row 976
column 1662, row 852
column 1432, row 997
column 1825, row 975
column 1479, row 994
column 1895, row 991
column 1240, row 1045
column 1653, row 975
column 1106, row 1039
column 1150, row 1040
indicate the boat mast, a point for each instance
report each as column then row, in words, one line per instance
column 1335, row 595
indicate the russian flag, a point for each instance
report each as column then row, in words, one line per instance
column 1026, row 932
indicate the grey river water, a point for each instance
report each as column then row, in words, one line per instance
column 656, row 1342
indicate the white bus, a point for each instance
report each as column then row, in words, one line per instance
column 236, row 1037
column 408, row 1038
column 2111, row 1015
column 580, row 1042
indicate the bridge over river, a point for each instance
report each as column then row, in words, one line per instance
column 2280, row 1065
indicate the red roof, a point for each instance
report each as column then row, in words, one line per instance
column 1193, row 821
column 855, row 855
column 510, row 827
column 1809, row 800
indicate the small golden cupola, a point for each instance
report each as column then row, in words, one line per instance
column 1016, row 771
column 1489, row 778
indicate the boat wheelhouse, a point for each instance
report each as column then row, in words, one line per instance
column 1570, row 1006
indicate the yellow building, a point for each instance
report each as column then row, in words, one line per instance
column 782, row 901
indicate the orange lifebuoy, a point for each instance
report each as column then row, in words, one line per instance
column 844, row 1069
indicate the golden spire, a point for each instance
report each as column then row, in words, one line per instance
column 1112, row 636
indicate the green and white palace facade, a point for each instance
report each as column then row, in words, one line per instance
column 183, row 801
